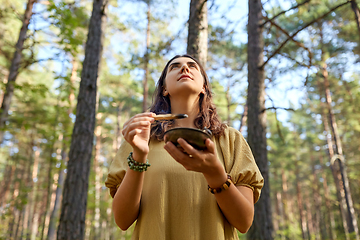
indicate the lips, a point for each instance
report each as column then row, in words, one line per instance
column 185, row 76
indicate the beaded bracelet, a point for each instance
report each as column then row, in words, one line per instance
column 137, row 166
column 225, row 186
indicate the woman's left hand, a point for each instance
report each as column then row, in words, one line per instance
column 205, row 161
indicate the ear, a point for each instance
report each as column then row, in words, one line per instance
column 203, row 90
column 165, row 93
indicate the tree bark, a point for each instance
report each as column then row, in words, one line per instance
column 73, row 211
column 48, row 198
column 32, row 193
column 338, row 158
column 198, row 31
column 350, row 211
column 14, row 68
column 279, row 211
column 331, row 220
column 146, row 61
column 58, row 193
column 336, row 175
column 243, row 119
column 302, row 218
column 316, row 203
column 262, row 227
column 10, row 169
column 284, row 189
column 228, row 103
column 118, row 127
column 98, row 176
column 55, row 213
column 357, row 15
column 309, row 217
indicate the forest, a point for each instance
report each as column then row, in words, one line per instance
column 285, row 73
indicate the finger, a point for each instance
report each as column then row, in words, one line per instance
column 210, row 145
column 187, row 147
column 143, row 125
column 175, row 152
column 131, row 135
column 140, row 117
column 137, row 119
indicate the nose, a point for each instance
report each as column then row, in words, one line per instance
column 184, row 68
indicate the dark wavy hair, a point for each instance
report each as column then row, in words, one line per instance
column 207, row 116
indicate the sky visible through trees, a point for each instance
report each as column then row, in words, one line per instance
column 235, row 13
column 312, row 97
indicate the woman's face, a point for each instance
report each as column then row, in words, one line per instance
column 183, row 78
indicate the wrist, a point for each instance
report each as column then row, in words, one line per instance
column 139, row 156
column 216, row 178
column 137, row 166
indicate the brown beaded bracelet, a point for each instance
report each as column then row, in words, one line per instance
column 225, row 186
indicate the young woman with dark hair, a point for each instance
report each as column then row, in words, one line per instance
column 186, row 193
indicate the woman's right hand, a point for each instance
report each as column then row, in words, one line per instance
column 136, row 132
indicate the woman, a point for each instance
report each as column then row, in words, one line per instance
column 188, row 193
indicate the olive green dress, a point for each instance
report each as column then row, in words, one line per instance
column 175, row 203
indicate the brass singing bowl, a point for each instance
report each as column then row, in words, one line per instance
column 195, row 137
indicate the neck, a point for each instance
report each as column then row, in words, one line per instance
column 185, row 106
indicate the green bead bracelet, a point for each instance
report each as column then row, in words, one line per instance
column 137, row 166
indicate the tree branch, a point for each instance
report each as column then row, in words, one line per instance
column 277, row 108
column 280, row 13
column 294, row 34
column 293, row 59
column 291, row 37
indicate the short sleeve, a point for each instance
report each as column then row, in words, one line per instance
column 118, row 168
column 239, row 161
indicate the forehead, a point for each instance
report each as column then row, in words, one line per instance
column 181, row 60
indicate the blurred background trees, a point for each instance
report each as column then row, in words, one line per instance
column 300, row 94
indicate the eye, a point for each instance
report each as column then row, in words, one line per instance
column 193, row 65
column 174, row 66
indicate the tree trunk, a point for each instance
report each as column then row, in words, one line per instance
column 316, row 203
column 309, row 217
column 336, row 175
column 262, row 227
column 32, row 193
column 198, row 31
column 10, row 169
column 350, row 211
column 98, row 176
column 228, row 104
column 146, row 62
column 302, row 217
column 15, row 192
column 279, row 211
column 243, row 119
column 284, row 202
column 118, row 127
column 55, row 213
column 331, row 220
column 357, row 15
column 48, row 198
column 342, row 183
column 18, row 224
column 14, row 68
column 73, row 211
column 27, row 180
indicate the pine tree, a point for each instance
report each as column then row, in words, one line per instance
column 73, row 210
column 198, row 31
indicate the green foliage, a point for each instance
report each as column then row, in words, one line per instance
column 42, row 113
column 10, row 24
column 71, row 22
